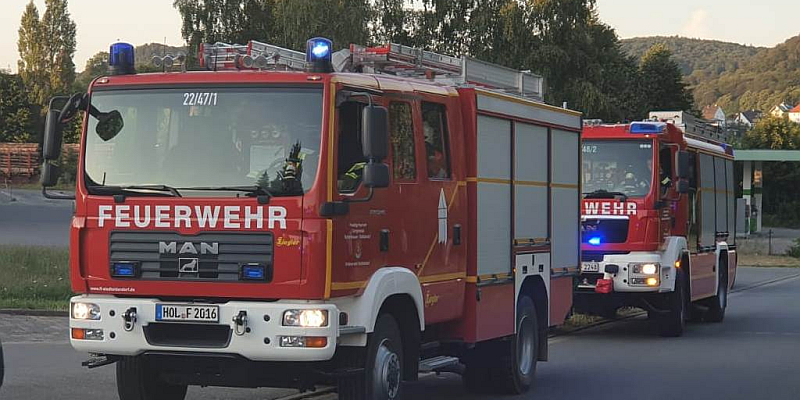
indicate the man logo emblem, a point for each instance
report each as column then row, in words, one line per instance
column 188, row 265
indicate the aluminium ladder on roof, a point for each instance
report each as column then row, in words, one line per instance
column 403, row 60
column 392, row 59
column 691, row 125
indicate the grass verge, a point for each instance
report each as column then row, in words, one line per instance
column 34, row 277
column 755, row 260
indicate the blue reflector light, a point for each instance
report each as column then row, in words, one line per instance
column 121, row 59
column 253, row 272
column 123, row 270
column 318, row 49
column 647, row 127
column 595, row 241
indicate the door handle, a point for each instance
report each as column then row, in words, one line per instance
column 384, row 240
column 456, row 234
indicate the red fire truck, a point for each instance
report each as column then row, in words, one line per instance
column 657, row 221
column 289, row 219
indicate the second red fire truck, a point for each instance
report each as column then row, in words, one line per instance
column 293, row 219
column 657, row 221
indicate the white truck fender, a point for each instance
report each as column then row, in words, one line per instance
column 362, row 310
column 675, row 246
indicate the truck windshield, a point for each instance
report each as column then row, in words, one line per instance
column 622, row 167
column 205, row 138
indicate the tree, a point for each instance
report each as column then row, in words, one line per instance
column 58, row 31
column 342, row 21
column 15, row 111
column 662, row 82
column 32, row 65
column 773, row 133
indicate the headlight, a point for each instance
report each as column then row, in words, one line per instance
column 645, row 269
column 85, row 311
column 305, row 318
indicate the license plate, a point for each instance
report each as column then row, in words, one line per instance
column 590, row 267
column 187, row 313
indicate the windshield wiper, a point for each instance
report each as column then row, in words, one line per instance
column 120, row 189
column 252, row 190
column 604, row 194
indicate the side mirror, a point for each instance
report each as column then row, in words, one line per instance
column 682, row 186
column 683, row 165
column 376, row 175
column 375, row 133
column 51, row 148
column 49, row 174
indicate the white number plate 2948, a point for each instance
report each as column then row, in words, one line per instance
column 590, row 267
column 187, row 313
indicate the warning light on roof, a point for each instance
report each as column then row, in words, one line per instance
column 318, row 54
column 595, row 241
column 121, row 59
column 647, row 127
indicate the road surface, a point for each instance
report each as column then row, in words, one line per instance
column 27, row 218
column 752, row 355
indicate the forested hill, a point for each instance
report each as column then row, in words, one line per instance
column 699, row 59
column 735, row 76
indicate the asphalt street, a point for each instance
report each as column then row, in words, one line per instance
column 752, row 355
column 27, row 218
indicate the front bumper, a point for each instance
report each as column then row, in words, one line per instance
column 260, row 342
column 622, row 279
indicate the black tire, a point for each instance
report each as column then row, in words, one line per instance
column 516, row 358
column 137, row 380
column 718, row 303
column 672, row 323
column 383, row 365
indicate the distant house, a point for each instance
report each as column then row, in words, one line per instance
column 715, row 114
column 780, row 110
column 747, row 118
column 794, row 114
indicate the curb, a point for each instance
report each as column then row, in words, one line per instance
column 34, row 313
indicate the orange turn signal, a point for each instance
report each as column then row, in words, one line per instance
column 78, row 333
column 316, row 341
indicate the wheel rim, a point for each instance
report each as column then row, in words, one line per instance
column 386, row 375
column 525, row 345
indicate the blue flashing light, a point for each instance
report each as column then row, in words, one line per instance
column 121, row 59
column 253, row 272
column 318, row 49
column 123, row 270
column 647, row 127
column 595, row 241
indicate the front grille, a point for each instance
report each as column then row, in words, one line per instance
column 608, row 230
column 157, row 254
column 187, row 335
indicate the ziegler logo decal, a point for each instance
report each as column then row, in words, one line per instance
column 609, row 208
column 284, row 241
column 228, row 217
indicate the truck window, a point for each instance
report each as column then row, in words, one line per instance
column 434, row 122
column 665, row 168
column 351, row 163
column 693, row 217
column 401, row 131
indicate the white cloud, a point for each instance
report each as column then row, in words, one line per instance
column 698, row 25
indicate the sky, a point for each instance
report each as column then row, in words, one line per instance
column 102, row 22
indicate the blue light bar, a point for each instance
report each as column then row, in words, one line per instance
column 123, row 270
column 318, row 48
column 595, row 241
column 647, row 127
column 253, row 272
column 121, row 59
